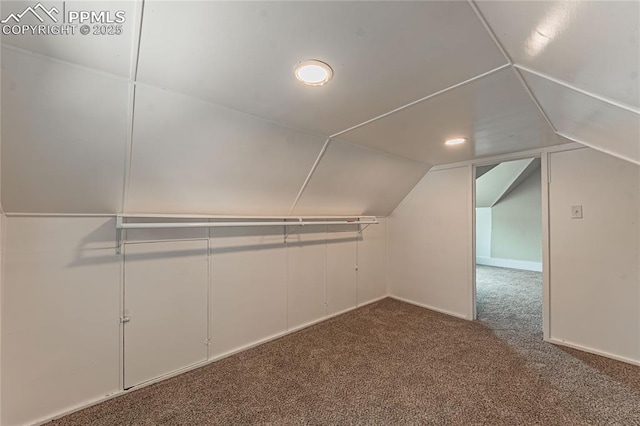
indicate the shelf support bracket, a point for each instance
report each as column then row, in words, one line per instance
column 286, row 228
column 360, row 228
column 118, row 235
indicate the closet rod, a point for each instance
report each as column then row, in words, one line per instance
column 158, row 225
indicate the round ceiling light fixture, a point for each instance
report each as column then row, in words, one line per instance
column 313, row 72
column 455, row 141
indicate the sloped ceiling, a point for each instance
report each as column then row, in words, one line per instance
column 581, row 60
column 194, row 108
column 500, row 180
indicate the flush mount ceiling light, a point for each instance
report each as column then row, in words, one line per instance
column 455, row 141
column 313, row 72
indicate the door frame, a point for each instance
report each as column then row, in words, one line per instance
column 545, row 181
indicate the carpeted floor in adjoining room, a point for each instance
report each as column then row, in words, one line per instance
column 394, row 363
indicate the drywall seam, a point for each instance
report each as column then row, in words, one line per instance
column 66, row 63
column 227, row 108
column 99, row 72
column 210, row 290
column 489, row 30
column 597, row 148
column 377, row 150
column 386, row 251
column 199, row 364
column 524, row 84
column 311, row 172
column 129, row 147
column 579, row 90
column 131, row 107
column 121, row 308
column 357, row 265
column 534, row 98
column 287, row 274
column 433, row 95
column 325, row 274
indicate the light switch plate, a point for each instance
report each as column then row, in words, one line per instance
column 576, row 212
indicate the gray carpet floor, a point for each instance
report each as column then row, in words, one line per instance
column 394, row 363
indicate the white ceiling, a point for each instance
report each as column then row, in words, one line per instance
column 112, row 54
column 353, row 179
column 218, row 123
column 193, row 157
column 587, row 119
column 586, row 55
column 503, row 178
column 242, row 54
column 64, row 137
column 494, row 112
column 595, row 45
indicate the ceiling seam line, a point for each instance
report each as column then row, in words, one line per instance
column 136, row 83
column 533, row 97
column 501, row 48
column 228, row 108
column 597, row 148
column 433, row 95
column 489, row 30
column 133, row 75
column 64, row 62
column 139, row 42
column 577, row 89
column 380, row 151
column 309, row 175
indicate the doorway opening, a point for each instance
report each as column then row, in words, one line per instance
column 508, row 235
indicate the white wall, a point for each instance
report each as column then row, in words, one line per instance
column 430, row 243
column 2, row 224
column 594, row 287
column 248, row 287
column 516, row 230
column 2, row 254
column 483, row 233
column 61, row 332
column 595, row 261
column 372, row 262
column 513, row 236
column 60, row 315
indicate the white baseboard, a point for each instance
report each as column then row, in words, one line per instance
column 510, row 263
column 289, row 331
column 572, row 345
column 431, row 308
column 211, row 360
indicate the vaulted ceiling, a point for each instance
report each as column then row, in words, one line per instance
column 194, row 107
column 495, row 182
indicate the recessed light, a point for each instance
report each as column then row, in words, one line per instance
column 313, row 72
column 455, row 141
